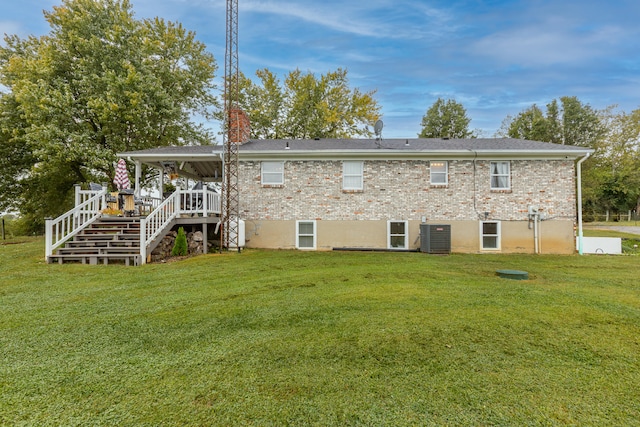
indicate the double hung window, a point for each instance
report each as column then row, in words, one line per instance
column 490, row 235
column 438, row 173
column 500, row 176
column 398, row 234
column 305, row 234
column 272, row 173
column 352, row 173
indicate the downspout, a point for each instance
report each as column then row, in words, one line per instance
column 536, row 237
column 579, row 185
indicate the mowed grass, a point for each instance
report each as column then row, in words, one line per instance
column 310, row 338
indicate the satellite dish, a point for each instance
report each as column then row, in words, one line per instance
column 378, row 127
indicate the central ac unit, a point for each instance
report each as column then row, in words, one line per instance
column 435, row 238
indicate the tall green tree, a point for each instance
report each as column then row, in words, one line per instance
column 529, row 124
column 446, row 119
column 569, row 122
column 307, row 106
column 98, row 83
column 612, row 174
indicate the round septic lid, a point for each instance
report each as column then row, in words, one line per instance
column 513, row 274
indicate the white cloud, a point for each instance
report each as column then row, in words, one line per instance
column 369, row 19
column 537, row 46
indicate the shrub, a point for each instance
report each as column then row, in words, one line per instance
column 180, row 245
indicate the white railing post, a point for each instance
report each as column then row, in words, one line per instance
column 143, row 241
column 205, row 201
column 105, row 190
column 48, row 231
column 177, row 196
column 77, row 195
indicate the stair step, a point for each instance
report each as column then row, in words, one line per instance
column 103, row 243
column 108, row 233
column 106, row 236
column 98, row 251
column 90, row 230
column 100, row 226
column 128, row 259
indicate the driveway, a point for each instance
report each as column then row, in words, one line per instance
column 632, row 229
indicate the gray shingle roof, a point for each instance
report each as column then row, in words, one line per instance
column 413, row 144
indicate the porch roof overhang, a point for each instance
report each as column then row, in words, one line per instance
column 201, row 163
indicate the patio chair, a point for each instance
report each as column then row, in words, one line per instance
column 127, row 200
column 142, row 206
column 196, row 201
column 110, row 199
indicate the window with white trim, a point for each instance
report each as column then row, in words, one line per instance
column 352, row 175
column 306, row 234
column 500, row 175
column 397, row 234
column 272, row 173
column 490, row 235
column 438, row 172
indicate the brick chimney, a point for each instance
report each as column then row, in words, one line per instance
column 239, row 126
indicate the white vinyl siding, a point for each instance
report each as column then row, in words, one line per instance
column 272, row 173
column 352, row 173
column 438, row 172
column 490, row 235
column 500, row 175
column 397, row 234
column 305, row 234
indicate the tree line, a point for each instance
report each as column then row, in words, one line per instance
column 102, row 82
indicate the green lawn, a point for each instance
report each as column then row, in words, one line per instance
column 310, row 338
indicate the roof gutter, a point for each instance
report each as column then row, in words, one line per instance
column 579, row 185
column 409, row 155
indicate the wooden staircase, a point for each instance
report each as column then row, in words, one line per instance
column 106, row 241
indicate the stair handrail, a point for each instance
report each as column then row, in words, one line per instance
column 157, row 221
column 67, row 225
column 172, row 207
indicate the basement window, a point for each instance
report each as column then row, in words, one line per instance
column 305, row 234
column 490, row 235
column 397, row 234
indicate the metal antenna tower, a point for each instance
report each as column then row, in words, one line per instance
column 229, row 237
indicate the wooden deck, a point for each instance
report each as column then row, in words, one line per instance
column 86, row 235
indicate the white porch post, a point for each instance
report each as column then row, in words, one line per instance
column 138, row 174
column 205, row 197
column 161, row 176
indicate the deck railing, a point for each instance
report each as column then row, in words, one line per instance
column 90, row 203
column 61, row 229
column 180, row 202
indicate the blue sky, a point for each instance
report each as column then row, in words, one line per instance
column 495, row 57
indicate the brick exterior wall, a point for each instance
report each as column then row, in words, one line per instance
column 400, row 189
